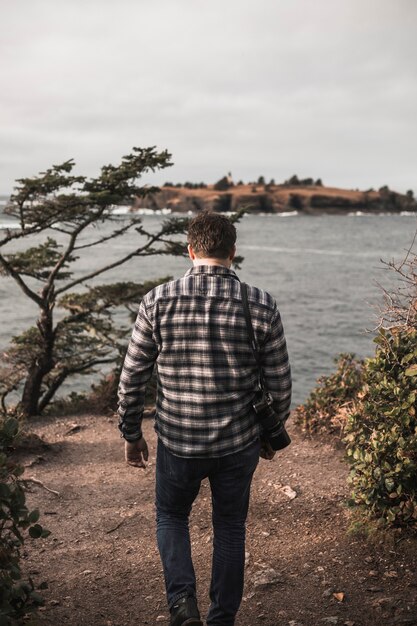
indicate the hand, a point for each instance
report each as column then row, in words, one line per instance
column 266, row 452
column 136, row 452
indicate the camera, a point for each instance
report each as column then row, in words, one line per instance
column 273, row 429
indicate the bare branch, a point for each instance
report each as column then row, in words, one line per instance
column 36, row 481
column 399, row 308
column 70, row 248
column 39, row 227
column 17, row 277
column 142, row 251
column 409, row 250
column 115, row 233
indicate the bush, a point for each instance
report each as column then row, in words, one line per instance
column 327, row 408
column 375, row 407
column 381, row 436
column 17, row 596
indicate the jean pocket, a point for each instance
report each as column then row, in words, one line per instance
column 246, row 460
column 169, row 464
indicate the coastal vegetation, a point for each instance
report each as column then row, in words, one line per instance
column 75, row 331
column 371, row 406
column 18, row 596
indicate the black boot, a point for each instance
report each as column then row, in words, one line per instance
column 185, row 612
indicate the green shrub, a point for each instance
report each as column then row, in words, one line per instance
column 381, row 435
column 327, row 407
column 17, row 596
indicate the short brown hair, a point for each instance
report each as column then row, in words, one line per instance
column 211, row 235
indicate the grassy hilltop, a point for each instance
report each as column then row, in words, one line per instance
column 304, row 196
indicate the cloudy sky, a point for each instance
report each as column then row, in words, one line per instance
column 274, row 87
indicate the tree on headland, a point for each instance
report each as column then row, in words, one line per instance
column 224, row 183
column 294, row 181
column 74, row 215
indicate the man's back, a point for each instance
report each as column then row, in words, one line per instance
column 207, row 375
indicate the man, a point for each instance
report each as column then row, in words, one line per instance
column 194, row 330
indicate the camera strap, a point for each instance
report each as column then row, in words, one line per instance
column 252, row 340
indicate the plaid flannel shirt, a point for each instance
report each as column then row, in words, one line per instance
column 194, row 330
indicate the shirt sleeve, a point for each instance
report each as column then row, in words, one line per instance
column 276, row 367
column 137, row 369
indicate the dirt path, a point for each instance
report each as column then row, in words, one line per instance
column 103, row 569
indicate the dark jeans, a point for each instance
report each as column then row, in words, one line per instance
column 177, row 485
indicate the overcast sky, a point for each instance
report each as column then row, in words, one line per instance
column 274, row 87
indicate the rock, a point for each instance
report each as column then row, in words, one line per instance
column 266, row 577
column 289, row 492
column 339, row 596
column 248, row 596
column 333, row 619
column 75, row 428
column 383, row 603
column 54, row 602
column 162, row 618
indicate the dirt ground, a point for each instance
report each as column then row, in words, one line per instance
column 303, row 568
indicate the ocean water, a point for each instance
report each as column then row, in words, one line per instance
column 323, row 271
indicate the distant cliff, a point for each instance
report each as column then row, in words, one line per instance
column 309, row 199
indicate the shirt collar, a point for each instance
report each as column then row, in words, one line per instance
column 219, row 270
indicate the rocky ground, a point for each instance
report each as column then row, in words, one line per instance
column 303, row 567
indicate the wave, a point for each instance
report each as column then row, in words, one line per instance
column 11, row 225
column 127, row 210
column 120, row 210
column 287, row 214
column 365, row 214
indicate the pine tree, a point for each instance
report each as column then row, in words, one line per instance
column 74, row 214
